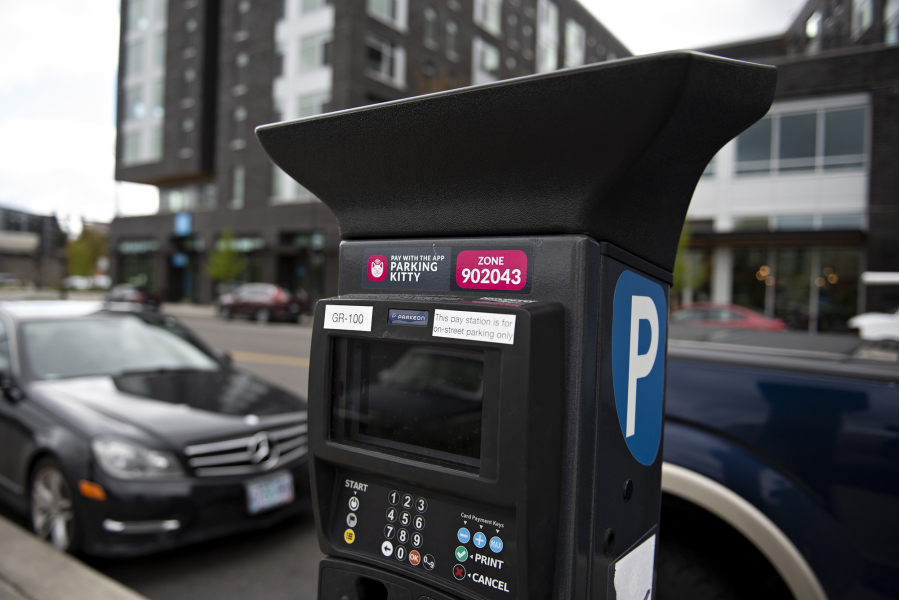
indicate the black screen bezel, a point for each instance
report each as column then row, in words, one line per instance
column 485, row 466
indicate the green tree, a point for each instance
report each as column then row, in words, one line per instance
column 225, row 263
column 82, row 253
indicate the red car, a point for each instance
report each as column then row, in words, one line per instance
column 263, row 302
column 725, row 316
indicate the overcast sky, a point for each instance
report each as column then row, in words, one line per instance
column 57, row 89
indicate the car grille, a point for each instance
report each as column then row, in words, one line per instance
column 261, row 452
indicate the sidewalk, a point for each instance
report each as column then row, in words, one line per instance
column 184, row 309
column 32, row 570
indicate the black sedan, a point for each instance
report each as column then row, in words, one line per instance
column 121, row 433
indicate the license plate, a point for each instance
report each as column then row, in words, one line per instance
column 269, row 493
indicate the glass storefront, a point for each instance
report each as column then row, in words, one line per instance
column 810, row 288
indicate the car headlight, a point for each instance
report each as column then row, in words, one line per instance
column 129, row 460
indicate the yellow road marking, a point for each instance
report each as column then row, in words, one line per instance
column 269, row 359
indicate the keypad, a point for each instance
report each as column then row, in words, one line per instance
column 429, row 538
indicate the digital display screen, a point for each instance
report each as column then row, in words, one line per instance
column 409, row 398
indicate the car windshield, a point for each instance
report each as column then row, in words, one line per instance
column 107, row 346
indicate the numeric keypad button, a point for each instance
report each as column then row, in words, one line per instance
column 402, row 536
column 405, row 519
column 389, row 531
column 421, row 505
column 391, row 514
column 400, row 553
column 419, row 522
column 407, row 501
column 393, row 497
column 417, row 540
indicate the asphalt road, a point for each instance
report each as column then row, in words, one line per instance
column 279, row 563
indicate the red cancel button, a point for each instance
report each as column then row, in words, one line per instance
column 492, row 269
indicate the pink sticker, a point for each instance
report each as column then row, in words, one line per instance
column 377, row 268
column 492, row 270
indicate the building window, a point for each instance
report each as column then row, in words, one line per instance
column 485, row 62
column 575, row 43
column 313, row 104
column 798, row 142
column 159, row 50
column 242, row 21
column 452, row 40
column 862, row 16
column 431, row 29
column 155, row 143
column 238, row 186
column 240, row 128
column 209, row 196
column 391, row 12
column 276, row 181
column 488, row 16
column 187, row 128
column 823, row 140
column 188, row 79
column 134, row 58
column 844, row 138
column 547, row 36
column 754, row 148
column 241, row 61
column 386, row 61
column 131, row 147
column 891, row 22
column 137, row 15
column 315, row 51
column 135, row 109
column 308, row 6
column 278, row 68
column 512, row 31
column 158, row 98
column 191, row 27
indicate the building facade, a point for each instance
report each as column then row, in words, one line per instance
column 197, row 76
column 790, row 213
column 31, row 247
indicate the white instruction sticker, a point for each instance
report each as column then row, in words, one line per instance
column 474, row 326
column 349, row 318
column 633, row 572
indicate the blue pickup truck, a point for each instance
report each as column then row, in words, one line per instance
column 781, row 472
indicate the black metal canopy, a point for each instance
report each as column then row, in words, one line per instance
column 612, row 150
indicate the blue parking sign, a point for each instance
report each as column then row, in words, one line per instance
column 639, row 322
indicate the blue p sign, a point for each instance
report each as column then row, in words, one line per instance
column 639, row 322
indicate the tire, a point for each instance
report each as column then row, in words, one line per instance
column 224, row 313
column 684, row 575
column 52, row 505
column 262, row 315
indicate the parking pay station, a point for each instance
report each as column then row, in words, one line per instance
column 486, row 392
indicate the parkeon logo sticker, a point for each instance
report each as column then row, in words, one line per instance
column 377, row 268
column 639, row 322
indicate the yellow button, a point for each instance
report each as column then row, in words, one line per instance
column 349, row 536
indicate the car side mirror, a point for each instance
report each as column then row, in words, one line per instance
column 9, row 389
column 224, row 357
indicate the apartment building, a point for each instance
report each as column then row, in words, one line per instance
column 790, row 214
column 197, row 76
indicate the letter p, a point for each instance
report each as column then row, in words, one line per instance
column 639, row 365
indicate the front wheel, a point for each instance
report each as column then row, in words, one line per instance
column 684, row 575
column 52, row 508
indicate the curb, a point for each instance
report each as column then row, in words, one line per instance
column 31, row 569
